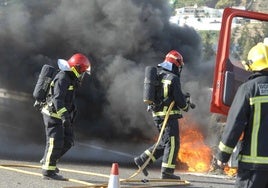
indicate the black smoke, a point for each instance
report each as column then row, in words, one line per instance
column 120, row 38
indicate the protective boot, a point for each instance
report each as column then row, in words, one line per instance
column 53, row 176
column 139, row 162
column 166, row 175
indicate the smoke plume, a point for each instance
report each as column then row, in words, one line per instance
column 120, row 38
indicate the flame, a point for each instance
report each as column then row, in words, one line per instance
column 230, row 171
column 193, row 150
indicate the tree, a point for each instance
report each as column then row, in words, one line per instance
column 225, row 3
column 184, row 3
column 208, row 38
column 248, row 36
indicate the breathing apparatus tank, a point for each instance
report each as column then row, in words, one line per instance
column 150, row 84
column 43, row 83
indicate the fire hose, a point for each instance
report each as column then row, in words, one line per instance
column 156, row 144
column 192, row 105
column 129, row 179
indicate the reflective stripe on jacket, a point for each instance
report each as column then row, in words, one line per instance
column 61, row 96
column 171, row 91
column 248, row 115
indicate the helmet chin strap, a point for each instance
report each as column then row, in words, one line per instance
column 75, row 72
column 247, row 64
column 79, row 76
column 80, row 79
column 179, row 69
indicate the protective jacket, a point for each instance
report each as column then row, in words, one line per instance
column 248, row 115
column 170, row 91
column 60, row 103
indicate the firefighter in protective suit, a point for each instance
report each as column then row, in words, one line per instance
column 168, row 147
column 59, row 112
column 248, row 117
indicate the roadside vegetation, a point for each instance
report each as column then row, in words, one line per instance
column 243, row 37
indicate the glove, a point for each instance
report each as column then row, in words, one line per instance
column 187, row 108
column 38, row 105
column 188, row 102
column 187, row 95
column 150, row 108
column 66, row 122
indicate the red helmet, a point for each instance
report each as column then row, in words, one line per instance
column 175, row 57
column 80, row 63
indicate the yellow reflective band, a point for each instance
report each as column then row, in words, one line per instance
column 75, row 72
column 163, row 113
column 61, row 111
column 149, row 154
column 255, row 129
column 259, row 99
column 168, row 165
column 251, row 159
column 257, row 102
column 46, row 111
column 46, row 166
column 171, row 152
column 71, row 87
column 165, row 87
column 167, row 82
column 225, row 148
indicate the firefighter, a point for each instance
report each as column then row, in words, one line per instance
column 248, row 116
column 59, row 112
column 170, row 90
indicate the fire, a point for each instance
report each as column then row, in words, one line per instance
column 193, row 150
column 230, row 171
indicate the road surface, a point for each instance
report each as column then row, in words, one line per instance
column 17, row 174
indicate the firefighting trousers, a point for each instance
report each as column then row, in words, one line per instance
column 59, row 140
column 167, row 148
column 251, row 178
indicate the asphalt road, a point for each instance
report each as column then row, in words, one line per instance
column 13, row 174
column 89, row 164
